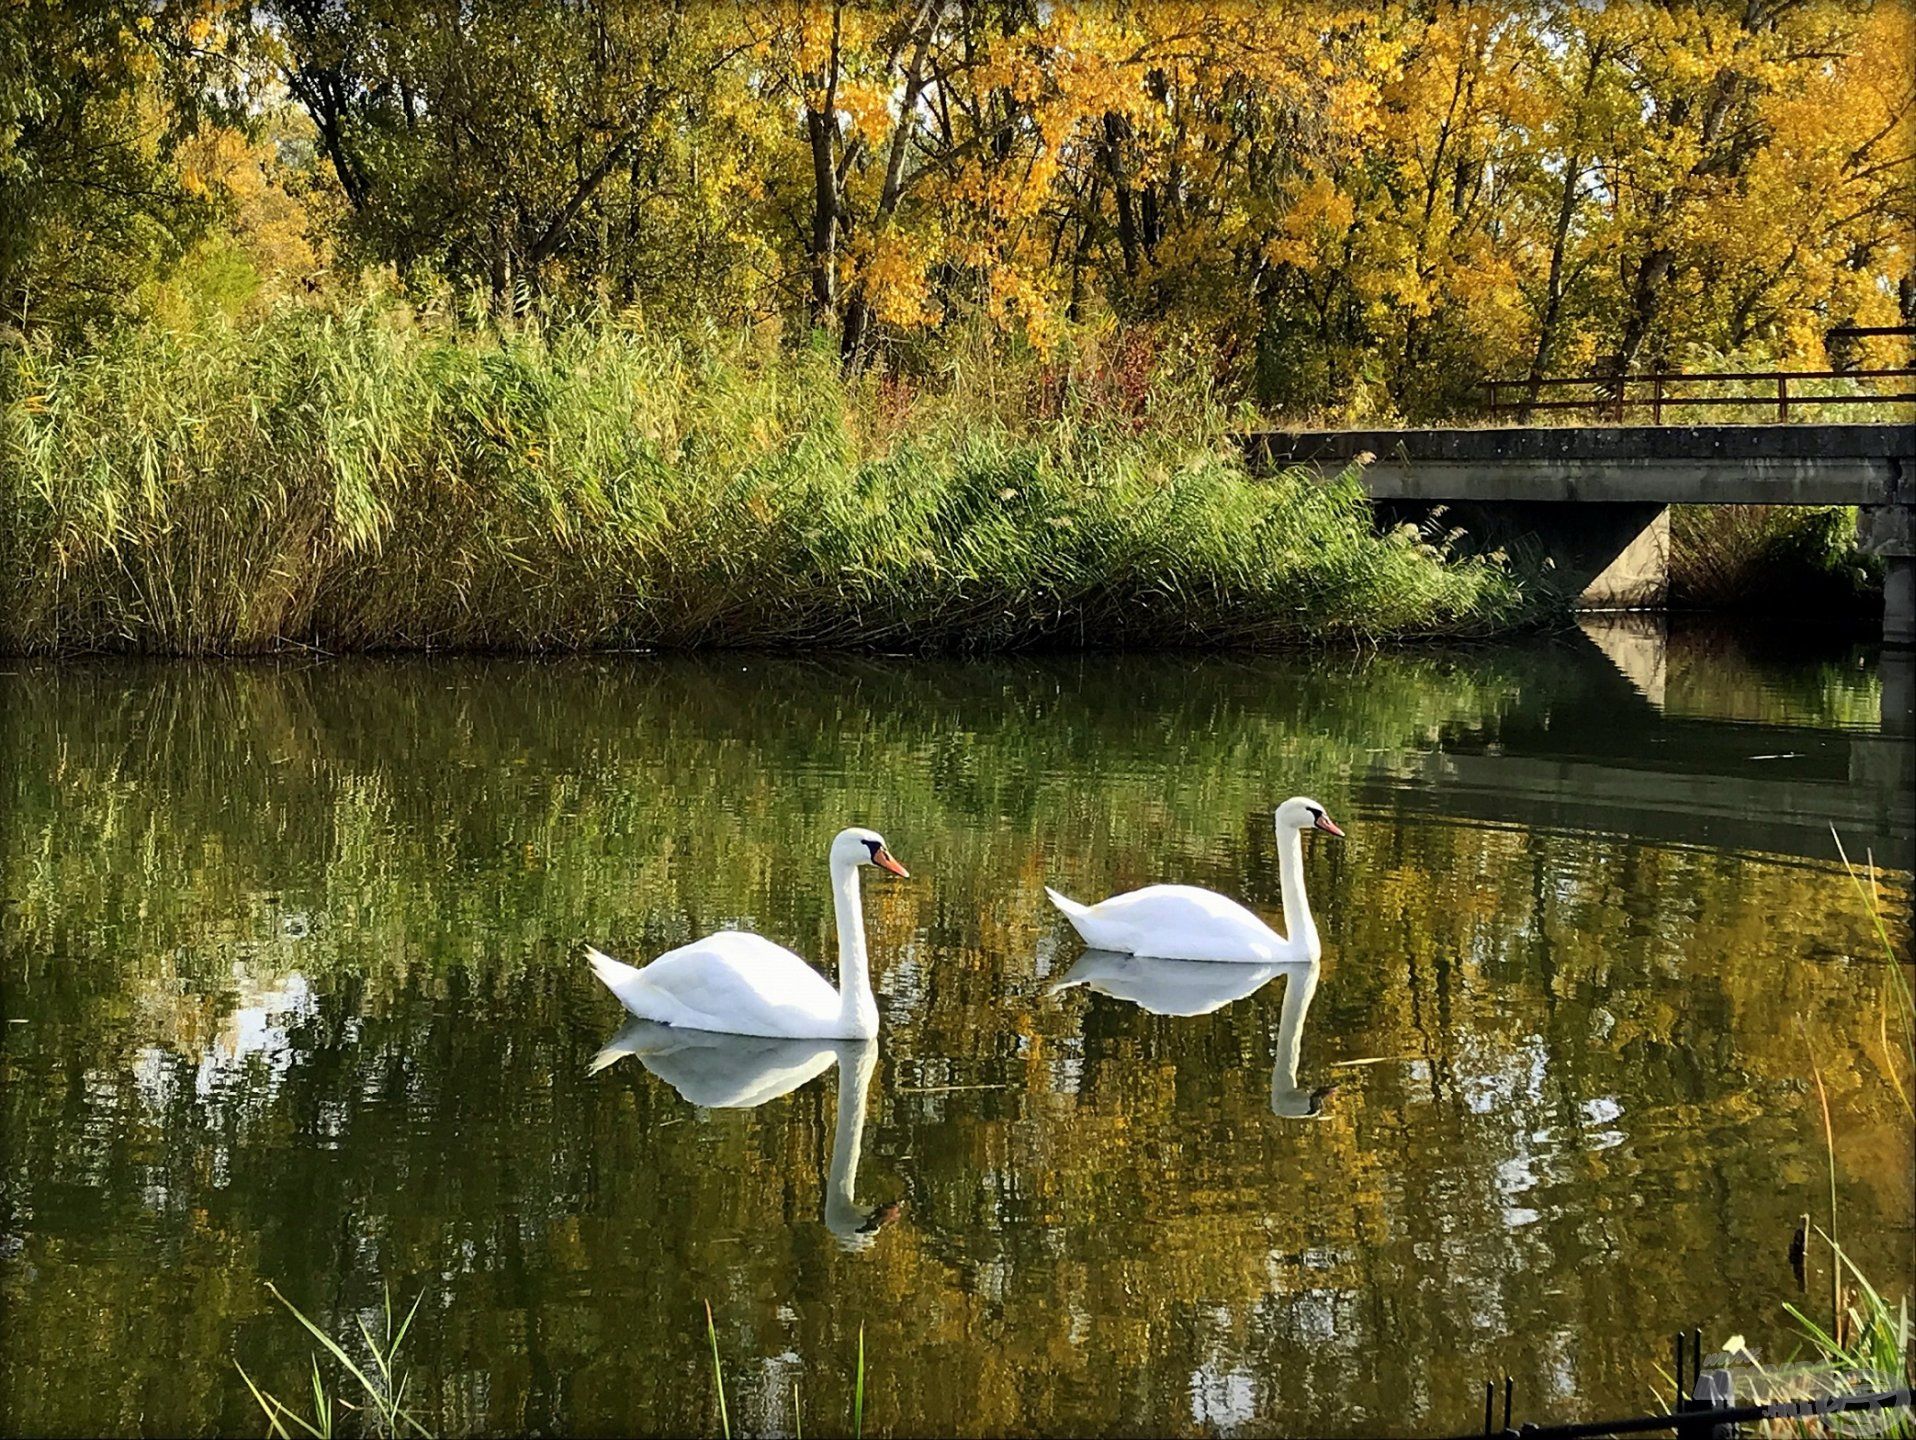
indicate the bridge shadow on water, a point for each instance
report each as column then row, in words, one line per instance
column 1686, row 735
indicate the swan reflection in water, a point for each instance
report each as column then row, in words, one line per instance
column 717, row 1071
column 1197, row 987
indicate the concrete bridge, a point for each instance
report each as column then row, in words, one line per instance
column 1593, row 500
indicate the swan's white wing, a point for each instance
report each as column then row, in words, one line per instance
column 1166, row 987
column 719, row 1071
column 1179, row 922
column 733, row 981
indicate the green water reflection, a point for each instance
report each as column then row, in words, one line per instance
column 293, row 991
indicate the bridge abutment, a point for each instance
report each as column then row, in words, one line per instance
column 1899, row 601
column 1890, row 531
column 1600, row 555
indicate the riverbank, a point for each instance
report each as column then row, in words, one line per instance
column 370, row 478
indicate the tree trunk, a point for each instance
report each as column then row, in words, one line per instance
column 1646, row 300
column 1559, row 243
column 1114, row 133
column 1553, row 293
column 824, row 219
column 851, row 346
column 821, row 128
column 1081, row 253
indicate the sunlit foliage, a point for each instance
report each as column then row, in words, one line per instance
column 1363, row 210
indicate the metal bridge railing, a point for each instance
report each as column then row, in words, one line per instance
column 1614, row 396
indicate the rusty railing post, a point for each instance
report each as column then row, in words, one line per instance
column 1656, row 398
column 1782, row 397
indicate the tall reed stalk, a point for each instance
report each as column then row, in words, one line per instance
column 1829, row 1153
column 1865, row 882
column 1867, row 1339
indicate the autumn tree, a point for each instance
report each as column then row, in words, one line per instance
column 529, row 148
column 1357, row 211
column 95, row 103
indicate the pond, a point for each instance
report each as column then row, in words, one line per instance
column 294, row 992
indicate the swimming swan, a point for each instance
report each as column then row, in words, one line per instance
column 742, row 984
column 1183, row 922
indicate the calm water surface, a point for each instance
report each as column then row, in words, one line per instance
column 293, row 993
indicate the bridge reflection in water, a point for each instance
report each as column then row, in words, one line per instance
column 1678, row 742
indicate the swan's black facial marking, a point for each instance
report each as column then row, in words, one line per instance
column 1321, row 821
column 884, row 859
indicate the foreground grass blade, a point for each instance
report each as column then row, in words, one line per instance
column 322, row 1408
column 272, row 1409
column 858, row 1390
column 391, row 1411
column 718, row 1375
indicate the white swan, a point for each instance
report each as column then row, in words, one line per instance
column 742, row 984
column 1183, row 922
column 737, row 1072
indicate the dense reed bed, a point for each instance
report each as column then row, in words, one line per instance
column 368, row 477
column 1780, row 559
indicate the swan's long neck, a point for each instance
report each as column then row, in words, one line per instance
column 1299, row 929
column 856, row 1061
column 858, row 1007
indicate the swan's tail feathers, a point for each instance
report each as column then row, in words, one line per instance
column 1066, row 903
column 1078, row 915
column 628, row 985
column 610, row 1055
column 615, row 975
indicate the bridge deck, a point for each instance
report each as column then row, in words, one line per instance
column 1663, row 465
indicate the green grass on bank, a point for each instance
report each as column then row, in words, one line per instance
column 1771, row 559
column 369, row 477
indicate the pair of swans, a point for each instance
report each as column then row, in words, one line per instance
column 739, row 983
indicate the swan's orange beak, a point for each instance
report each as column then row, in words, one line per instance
column 1328, row 826
column 881, row 857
